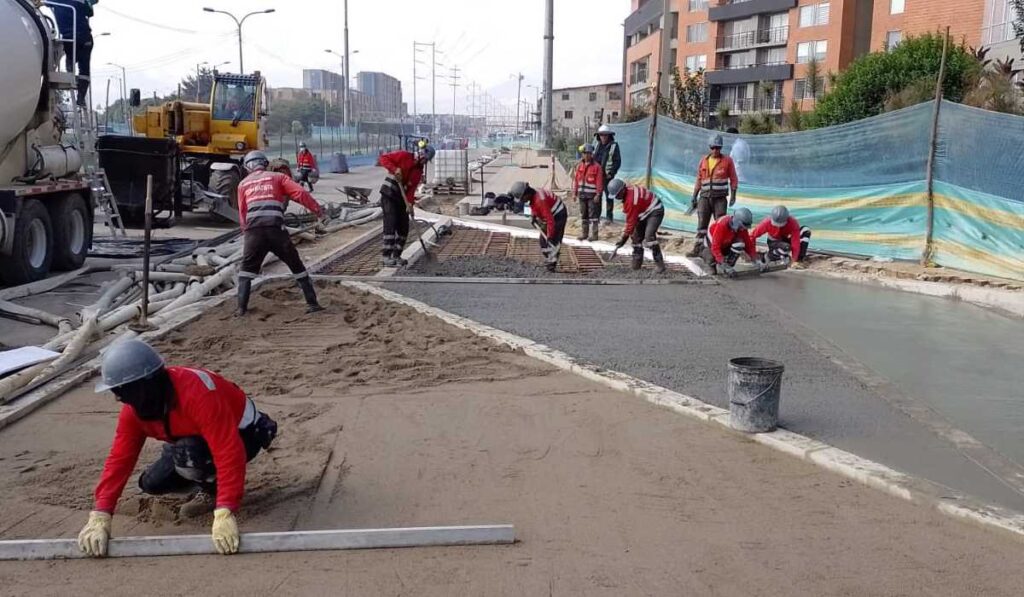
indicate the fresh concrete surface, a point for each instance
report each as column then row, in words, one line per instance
column 683, row 337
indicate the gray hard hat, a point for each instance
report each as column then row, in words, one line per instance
column 426, row 153
column 716, row 141
column 742, row 218
column 255, row 159
column 615, row 187
column 588, row 148
column 780, row 215
column 302, row 145
column 127, row 361
column 518, row 190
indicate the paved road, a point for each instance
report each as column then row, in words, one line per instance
column 683, row 338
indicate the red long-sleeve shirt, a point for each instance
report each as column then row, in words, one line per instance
column 307, row 159
column 412, row 171
column 543, row 206
column 722, row 235
column 588, row 179
column 637, row 205
column 790, row 232
column 262, row 198
column 205, row 404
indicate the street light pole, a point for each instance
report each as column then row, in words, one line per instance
column 239, row 23
column 346, row 115
column 124, row 94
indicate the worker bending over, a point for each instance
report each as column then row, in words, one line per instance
column 547, row 211
column 210, row 429
column 262, row 200
column 644, row 214
column 714, row 191
column 607, row 154
column 787, row 240
column 727, row 239
column 398, row 197
column 588, row 188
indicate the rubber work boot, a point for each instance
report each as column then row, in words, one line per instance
column 594, row 229
column 698, row 247
column 202, row 502
column 306, row 284
column 244, row 290
column 638, row 261
column 659, row 259
column 585, row 230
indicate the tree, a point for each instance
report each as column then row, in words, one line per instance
column 758, row 123
column 635, row 113
column 864, row 87
column 688, row 101
column 813, row 82
column 1018, row 21
column 795, row 120
column 190, row 85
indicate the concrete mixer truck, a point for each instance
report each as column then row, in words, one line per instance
column 46, row 207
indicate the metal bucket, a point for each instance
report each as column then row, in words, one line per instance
column 755, row 387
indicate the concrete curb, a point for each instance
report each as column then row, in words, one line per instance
column 1009, row 302
column 844, row 463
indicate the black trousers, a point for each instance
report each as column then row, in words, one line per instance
column 708, row 206
column 560, row 220
column 188, row 463
column 396, row 225
column 83, row 56
column 646, row 232
column 259, row 241
column 730, row 254
column 590, row 208
column 779, row 249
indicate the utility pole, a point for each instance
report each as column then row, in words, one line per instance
column 549, row 49
column 519, row 98
column 418, row 46
column 346, row 107
column 433, row 87
column 414, row 85
column 455, row 86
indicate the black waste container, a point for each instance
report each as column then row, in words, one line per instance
column 128, row 160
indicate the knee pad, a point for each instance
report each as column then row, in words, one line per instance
column 193, row 460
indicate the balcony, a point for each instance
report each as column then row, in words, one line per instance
column 647, row 14
column 750, row 73
column 749, row 105
column 762, row 38
column 728, row 11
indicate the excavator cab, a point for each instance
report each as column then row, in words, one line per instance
column 237, row 109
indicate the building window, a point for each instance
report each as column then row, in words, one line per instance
column 695, row 63
column 593, row 96
column 565, row 97
column 697, row 5
column 813, row 15
column 896, row 7
column 638, row 71
column 568, row 115
column 802, row 91
column 598, row 114
column 998, row 22
column 614, row 96
column 892, row 39
column 696, row 33
column 811, row 49
column 615, row 116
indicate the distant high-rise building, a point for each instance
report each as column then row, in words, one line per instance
column 385, row 92
column 322, row 80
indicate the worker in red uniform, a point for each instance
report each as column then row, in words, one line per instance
column 262, row 199
column 644, row 214
column 549, row 211
column 727, row 239
column 714, row 191
column 398, row 197
column 211, row 429
column 588, row 188
column 308, row 170
column 787, row 240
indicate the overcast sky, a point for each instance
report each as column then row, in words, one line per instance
column 489, row 40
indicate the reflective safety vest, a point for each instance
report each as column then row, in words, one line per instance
column 716, row 184
column 638, row 204
column 589, row 180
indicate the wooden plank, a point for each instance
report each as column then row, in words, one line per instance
column 126, row 547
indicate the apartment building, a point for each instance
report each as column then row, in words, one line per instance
column 385, row 91
column 756, row 52
column 577, row 108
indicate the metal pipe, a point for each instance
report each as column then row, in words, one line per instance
column 538, row 281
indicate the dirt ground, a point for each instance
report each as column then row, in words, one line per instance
column 391, row 418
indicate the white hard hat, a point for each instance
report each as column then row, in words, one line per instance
column 605, row 130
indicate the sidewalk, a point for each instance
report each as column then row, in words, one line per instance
column 609, row 495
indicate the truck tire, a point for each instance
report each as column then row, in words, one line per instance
column 225, row 182
column 32, row 253
column 72, row 232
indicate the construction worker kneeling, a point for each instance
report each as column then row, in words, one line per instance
column 547, row 212
column 787, row 239
column 262, row 199
column 644, row 214
column 727, row 239
column 211, row 429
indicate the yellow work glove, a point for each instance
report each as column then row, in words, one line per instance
column 95, row 535
column 225, row 531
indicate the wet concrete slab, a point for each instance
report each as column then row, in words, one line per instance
column 683, row 337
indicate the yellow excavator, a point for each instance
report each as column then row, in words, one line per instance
column 195, row 150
